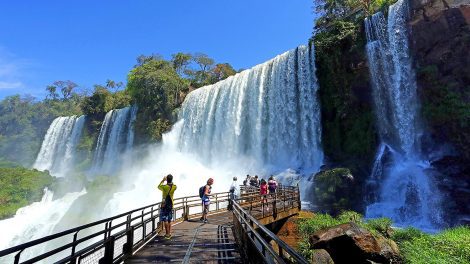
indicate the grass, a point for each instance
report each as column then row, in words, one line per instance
column 449, row 246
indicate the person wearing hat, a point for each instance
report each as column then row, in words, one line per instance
column 206, row 199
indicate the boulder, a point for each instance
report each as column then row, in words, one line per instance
column 321, row 256
column 349, row 243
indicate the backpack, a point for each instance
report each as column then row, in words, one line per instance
column 201, row 191
column 167, row 205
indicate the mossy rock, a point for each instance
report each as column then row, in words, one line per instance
column 332, row 190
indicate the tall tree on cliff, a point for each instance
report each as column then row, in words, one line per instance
column 152, row 87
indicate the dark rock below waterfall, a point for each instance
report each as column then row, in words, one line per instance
column 349, row 243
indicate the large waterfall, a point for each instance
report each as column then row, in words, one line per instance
column 269, row 114
column 115, row 139
column 407, row 193
column 58, row 147
column 260, row 121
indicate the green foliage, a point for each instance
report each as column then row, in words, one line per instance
column 350, row 216
column 20, row 187
column 446, row 107
column 316, row 223
column 338, row 31
column 381, row 225
column 154, row 87
column 24, row 121
column 449, row 246
column 332, row 189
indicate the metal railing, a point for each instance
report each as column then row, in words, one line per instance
column 113, row 239
column 285, row 198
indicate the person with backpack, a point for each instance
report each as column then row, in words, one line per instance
column 234, row 192
column 205, row 193
column 272, row 184
column 166, row 207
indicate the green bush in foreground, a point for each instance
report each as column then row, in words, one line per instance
column 449, row 246
column 20, row 187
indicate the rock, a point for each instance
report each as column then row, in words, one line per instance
column 333, row 190
column 321, row 256
column 349, row 243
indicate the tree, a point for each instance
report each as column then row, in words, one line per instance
column 221, row 71
column 152, row 87
column 52, row 92
column 180, row 62
column 65, row 87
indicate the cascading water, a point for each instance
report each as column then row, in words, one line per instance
column 58, row 147
column 407, row 194
column 115, row 139
column 269, row 114
column 33, row 222
column 262, row 120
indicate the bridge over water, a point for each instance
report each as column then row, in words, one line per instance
column 244, row 234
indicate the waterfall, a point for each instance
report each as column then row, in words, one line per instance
column 58, row 148
column 261, row 121
column 269, row 114
column 115, row 139
column 407, row 193
column 33, row 222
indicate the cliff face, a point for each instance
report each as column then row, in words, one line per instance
column 440, row 46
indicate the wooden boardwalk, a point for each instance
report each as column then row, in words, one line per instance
column 193, row 242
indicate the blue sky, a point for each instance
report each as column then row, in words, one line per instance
column 89, row 41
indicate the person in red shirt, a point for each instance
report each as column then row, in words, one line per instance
column 263, row 191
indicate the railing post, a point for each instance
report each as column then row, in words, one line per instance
column 298, row 198
column 127, row 248
column 108, row 251
column 17, row 256
column 72, row 255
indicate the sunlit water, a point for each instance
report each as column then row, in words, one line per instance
column 406, row 191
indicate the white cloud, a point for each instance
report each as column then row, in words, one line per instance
column 12, row 70
column 10, row 85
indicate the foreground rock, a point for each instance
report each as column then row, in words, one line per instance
column 349, row 243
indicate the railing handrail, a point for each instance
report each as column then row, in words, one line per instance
column 140, row 218
column 38, row 241
column 250, row 221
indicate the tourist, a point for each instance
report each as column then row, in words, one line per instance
column 234, row 192
column 254, row 181
column 272, row 184
column 263, row 191
column 166, row 207
column 247, row 180
column 206, row 199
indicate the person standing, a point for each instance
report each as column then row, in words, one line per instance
column 263, row 191
column 246, row 182
column 206, row 199
column 272, row 184
column 234, row 193
column 166, row 207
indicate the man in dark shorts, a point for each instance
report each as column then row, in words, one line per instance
column 166, row 208
column 206, row 199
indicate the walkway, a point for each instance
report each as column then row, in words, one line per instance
column 193, row 242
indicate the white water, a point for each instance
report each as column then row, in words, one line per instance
column 58, row 148
column 260, row 121
column 35, row 221
column 269, row 114
column 407, row 193
column 115, row 139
